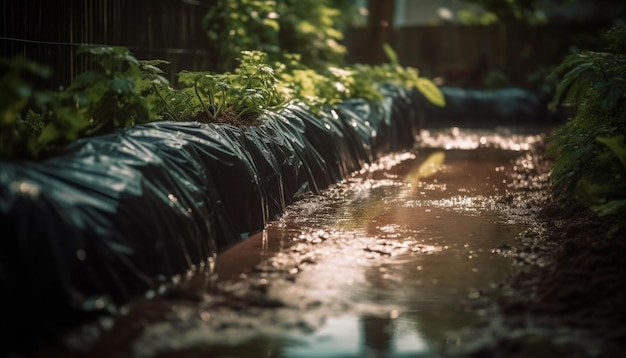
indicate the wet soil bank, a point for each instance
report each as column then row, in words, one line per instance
column 582, row 284
column 568, row 300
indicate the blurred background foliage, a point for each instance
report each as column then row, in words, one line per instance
column 580, row 23
column 312, row 28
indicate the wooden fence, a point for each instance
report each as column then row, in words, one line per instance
column 49, row 32
column 461, row 53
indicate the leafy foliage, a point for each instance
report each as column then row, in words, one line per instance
column 468, row 17
column 244, row 94
column 154, row 86
column 311, row 28
column 122, row 91
column 236, row 26
column 15, row 94
column 528, row 11
column 110, row 96
column 589, row 149
column 322, row 88
column 393, row 73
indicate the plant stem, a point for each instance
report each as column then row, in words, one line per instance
column 167, row 106
column 206, row 109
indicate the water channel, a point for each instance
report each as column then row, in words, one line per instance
column 388, row 263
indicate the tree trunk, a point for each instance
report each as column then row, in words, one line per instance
column 380, row 24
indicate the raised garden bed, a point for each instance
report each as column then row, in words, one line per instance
column 129, row 212
column 117, row 215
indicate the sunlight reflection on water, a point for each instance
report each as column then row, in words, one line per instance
column 455, row 138
column 374, row 266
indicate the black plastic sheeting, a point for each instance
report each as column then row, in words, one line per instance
column 488, row 108
column 118, row 215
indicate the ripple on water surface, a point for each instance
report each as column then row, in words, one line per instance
column 375, row 265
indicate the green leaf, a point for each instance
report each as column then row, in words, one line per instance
column 10, row 113
column 155, row 62
column 124, row 85
column 612, row 207
column 50, row 133
column 272, row 23
column 86, row 79
column 591, row 194
column 391, row 54
column 151, row 69
column 432, row 93
column 617, row 146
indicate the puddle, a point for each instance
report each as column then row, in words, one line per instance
column 378, row 265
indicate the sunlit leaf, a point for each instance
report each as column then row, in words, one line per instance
column 151, row 69
column 391, row 54
column 432, row 93
column 160, row 80
column 155, row 62
column 272, row 23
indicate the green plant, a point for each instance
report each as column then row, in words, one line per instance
column 593, row 88
column 15, row 94
column 111, row 94
column 394, row 73
column 236, row 26
column 156, row 88
column 311, row 28
column 114, row 94
column 99, row 100
column 240, row 96
column 528, row 11
column 33, row 120
column 608, row 197
column 469, row 17
column 319, row 89
column 122, row 91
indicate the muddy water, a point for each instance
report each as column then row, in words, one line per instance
column 382, row 264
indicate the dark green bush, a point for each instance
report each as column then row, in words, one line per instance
column 588, row 150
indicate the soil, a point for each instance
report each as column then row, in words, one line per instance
column 228, row 117
column 572, row 277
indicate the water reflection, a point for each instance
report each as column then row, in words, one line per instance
column 391, row 248
column 379, row 265
column 432, row 246
column 377, row 336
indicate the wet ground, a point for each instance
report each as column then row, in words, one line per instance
column 404, row 258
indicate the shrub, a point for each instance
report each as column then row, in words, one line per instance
column 588, row 150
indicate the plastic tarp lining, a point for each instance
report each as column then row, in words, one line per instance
column 487, row 108
column 117, row 215
column 120, row 214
